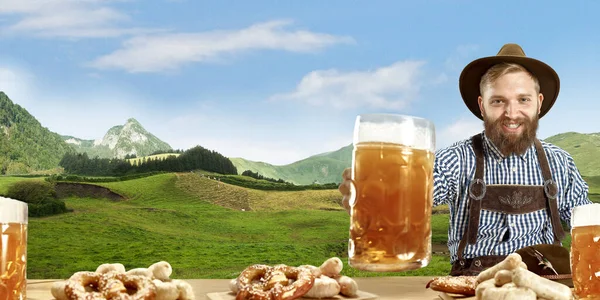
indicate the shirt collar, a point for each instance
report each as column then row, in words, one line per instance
column 497, row 155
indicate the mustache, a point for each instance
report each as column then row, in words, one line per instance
column 505, row 119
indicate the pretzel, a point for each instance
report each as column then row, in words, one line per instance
column 464, row 285
column 119, row 286
column 84, row 285
column 263, row 282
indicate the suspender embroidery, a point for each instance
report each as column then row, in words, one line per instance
column 516, row 200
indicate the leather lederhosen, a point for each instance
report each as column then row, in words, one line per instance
column 508, row 199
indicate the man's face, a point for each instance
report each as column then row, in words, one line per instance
column 510, row 108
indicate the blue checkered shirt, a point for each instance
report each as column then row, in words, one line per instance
column 454, row 170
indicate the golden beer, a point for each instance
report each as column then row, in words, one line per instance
column 585, row 261
column 13, row 249
column 390, row 226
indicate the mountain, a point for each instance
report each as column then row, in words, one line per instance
column 119, row 141
column 87, row 146
column 25, row 145
column 321, row 168
column 585, row 149
column 327, row 167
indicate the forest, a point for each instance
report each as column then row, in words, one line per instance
column 192, row 159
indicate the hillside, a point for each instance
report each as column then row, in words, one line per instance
column 200, row 226
column 172, row 217
column 88, row 147
column 121, row 140
column 327, row 167
column 25, row 145
column 321, row 168
column 585, row 149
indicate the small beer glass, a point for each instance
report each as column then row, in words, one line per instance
column 585, row 251
column 13, row 249
column 390, row 207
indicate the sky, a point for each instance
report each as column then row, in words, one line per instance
column 278, row 81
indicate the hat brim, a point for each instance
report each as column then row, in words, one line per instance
column 471, row 76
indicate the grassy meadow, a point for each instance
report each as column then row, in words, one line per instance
column 205, row 228
column 172, row 217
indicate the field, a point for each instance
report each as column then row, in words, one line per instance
column 164, row 220
column 203, row 227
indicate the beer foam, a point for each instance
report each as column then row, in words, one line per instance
column 585, row 215
column 13, row 211
column 405, row 130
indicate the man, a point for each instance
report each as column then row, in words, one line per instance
column 503, row 191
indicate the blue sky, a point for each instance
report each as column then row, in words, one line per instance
column 278, row 81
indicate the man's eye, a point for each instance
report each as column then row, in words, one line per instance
column 524, row 99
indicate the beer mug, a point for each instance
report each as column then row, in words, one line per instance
column 585, row 251
column 392, row 195
column 13, row 249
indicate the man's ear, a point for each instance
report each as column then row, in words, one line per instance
column 480, row 102
column 540, row 100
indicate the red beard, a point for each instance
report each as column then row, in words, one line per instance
column 511, row 143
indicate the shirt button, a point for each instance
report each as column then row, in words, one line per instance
column 514, row 169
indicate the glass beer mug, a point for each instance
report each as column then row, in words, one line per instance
column 585, row 251
column 13, row 249
column 390, row 207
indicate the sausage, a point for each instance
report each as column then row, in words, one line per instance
column 348, row 286
column 511, row 262
column 490, row 283
column 544, row 288
column 324, row 287
column 508, row 293
column 503, row 277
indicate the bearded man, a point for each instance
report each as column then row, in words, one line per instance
column 505, row 189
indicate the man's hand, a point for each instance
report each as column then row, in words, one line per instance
column 346, row 188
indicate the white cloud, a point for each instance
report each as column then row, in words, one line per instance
column 165, row 52
column 461, row 129
column 66, row 18
column 389, row 87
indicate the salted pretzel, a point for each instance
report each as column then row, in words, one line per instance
column 117, row 286
column 281, row 282
column 120, row 286
column 84, row 285
column 463, row 285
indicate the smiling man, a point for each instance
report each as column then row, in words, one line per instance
column 505, row 189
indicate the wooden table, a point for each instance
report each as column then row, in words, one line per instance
column 408, row 288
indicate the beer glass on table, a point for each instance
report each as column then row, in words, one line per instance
column 13, row 249
column 390, row 207
column 585, row 251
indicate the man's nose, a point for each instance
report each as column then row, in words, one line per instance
column 511, row 110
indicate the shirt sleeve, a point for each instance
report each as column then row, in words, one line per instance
column 575, row 192
column 444, row 180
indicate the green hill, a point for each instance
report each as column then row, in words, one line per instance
column 321, row 168
column 26, row 146
column 327, row 167
column 172, row 217
column 585, row 149
column 200, row 227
